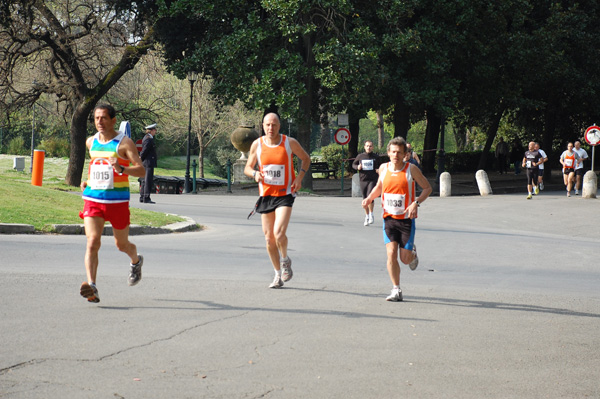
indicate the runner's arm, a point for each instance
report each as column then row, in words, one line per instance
column 412, row 209
column 376, row 192
column 127, row 150
column 88, row 144
column 298, row 151
column 356, row 164
column 251, row 163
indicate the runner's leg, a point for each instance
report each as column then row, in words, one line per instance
column 268, row 224
column 93, row 232
column 124, row 245
column 282, row 219
column 392, row 262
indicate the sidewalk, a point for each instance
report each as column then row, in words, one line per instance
column 463, row 184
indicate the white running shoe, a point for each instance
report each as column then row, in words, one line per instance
column 415, row 262
column 286, row 269
column 541, row 185
column 576, row 192
column 395, row 296
column 366, row 220
column 277, row 283
column 371, row 219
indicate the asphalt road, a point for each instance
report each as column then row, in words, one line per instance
column 505, row 304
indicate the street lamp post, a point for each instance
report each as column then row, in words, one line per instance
column 32, row 137
column 34, row 84
column 192, row 76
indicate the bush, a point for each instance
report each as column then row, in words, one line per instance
column 218, row 159
column 17, row 146
column 332, row 154
column 55, row 147
column 466, row 161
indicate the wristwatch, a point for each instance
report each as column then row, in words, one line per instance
column 418, row 204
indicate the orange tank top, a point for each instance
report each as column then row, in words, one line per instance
column 398, row 191
column 277, row 167
column 569, row 160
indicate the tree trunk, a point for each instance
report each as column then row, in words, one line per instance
column 548, row 138
column 86, row 99
column 432, row 135
column 324, row 124
column 201, row 148
column 460, row 136
column 78, row 135
column 401, row 118
column 353, row 144
column 306, row 104
column 380, row 130
column 491, row 135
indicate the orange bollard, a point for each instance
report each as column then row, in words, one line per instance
column 37, row 172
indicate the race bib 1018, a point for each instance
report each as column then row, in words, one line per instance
column 274, row 174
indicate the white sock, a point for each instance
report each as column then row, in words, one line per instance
column 397, row 287
column 278, row 272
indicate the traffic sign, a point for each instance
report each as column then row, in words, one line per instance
column 342, row 136
column 592, row 135
column 138, row 145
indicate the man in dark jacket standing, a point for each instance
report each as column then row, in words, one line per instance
column 149, row 160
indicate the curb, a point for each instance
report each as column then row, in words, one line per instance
column 78, row 229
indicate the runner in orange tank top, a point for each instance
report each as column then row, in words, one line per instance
column 396, row 185
column 568, row 160
column 278, row 184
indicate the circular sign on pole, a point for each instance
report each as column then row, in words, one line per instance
column 138, row 145
column 592, row 135
column 342, row 136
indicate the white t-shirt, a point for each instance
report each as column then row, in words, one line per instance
column 582, row 156
column 543, row 154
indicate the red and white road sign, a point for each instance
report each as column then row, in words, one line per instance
column 592, row 135
column 138, row 145
column 342, row 136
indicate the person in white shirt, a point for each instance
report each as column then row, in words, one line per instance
column 579, row 170
column 543, row 159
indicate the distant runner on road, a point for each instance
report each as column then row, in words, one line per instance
column 367, row 164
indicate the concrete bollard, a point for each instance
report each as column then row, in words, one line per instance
column 445, row 185
column 483, row 182
column 590, row 185
column 356, row 191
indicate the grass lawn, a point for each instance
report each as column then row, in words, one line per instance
column 57, row 203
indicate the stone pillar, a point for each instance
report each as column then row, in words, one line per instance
column 590, row 185
column 356, row 191
column 483, row 182
column 242, row 139
column 238, row 171
column 445, row 185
